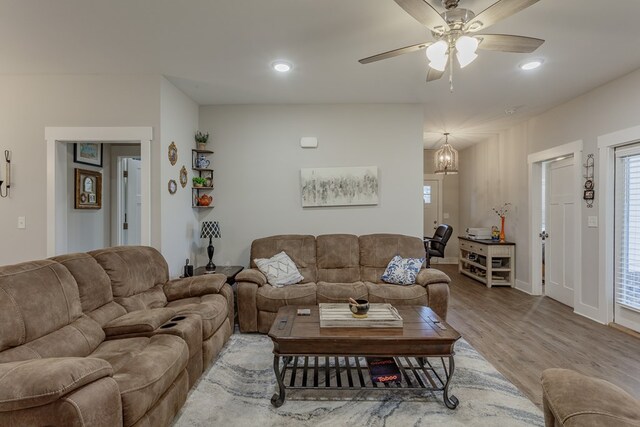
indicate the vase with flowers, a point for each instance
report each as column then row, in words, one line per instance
column 501, row 211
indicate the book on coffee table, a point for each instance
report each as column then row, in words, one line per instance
column 383, row 369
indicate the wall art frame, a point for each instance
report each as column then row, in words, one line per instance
column 88, row 153
column 88, row 189
column 339, row 186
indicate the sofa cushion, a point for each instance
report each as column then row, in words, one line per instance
column 376, row 250
column 271, row 299
column 338, row 258
column 300, row 248
column 132, row 269
column 144, row 369
column 397, row 294
column 402, row 271
column 93, row 282
column 36, row 298
column 151, row 298
column 31, row 383
column 212, row 309
column 340, row 292
column 279, row 270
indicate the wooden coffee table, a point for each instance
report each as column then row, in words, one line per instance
column 307, row 356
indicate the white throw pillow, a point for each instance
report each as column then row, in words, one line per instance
column 280, row 270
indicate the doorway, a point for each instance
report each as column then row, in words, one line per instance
column 555, row 183
column 559, row 212
column 432, row 203
column 57, row 139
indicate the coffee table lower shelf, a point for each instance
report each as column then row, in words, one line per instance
column 341, row 372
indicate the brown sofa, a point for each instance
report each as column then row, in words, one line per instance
column 335, row 267
column 571, row 399
column 105, row 339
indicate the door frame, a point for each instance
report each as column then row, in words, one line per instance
column 535, row 161
column 607, row 145
column 439, row 178
column 56, row 139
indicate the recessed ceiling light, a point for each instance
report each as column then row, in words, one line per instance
column 531, row 65
column 281, row 66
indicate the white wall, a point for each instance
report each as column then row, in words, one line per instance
column 88, row 229
column 180, row 222
column 497, row 170
column 257, row 165
column 27, row 105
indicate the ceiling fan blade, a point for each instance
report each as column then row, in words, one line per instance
column 508, row 43
column 434, row 74
column 424, row 13
column 396, row 52
column 497, row 12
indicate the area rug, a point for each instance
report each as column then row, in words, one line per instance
column 236, row 391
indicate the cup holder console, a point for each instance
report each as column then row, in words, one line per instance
column 168, row 325
column 177, row 318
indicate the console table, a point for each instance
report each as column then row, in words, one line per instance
column 487, row 261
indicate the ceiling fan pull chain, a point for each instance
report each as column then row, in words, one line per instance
column 451, row 72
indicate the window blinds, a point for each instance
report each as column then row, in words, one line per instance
column 627, row 228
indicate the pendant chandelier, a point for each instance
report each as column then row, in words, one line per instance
column 446, row 158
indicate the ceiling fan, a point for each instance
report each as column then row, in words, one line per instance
column 454, row 31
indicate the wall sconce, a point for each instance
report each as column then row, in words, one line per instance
column 7, row 181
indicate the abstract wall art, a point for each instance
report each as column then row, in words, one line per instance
column 343, row 186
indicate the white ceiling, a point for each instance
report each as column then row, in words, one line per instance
column 219, row 51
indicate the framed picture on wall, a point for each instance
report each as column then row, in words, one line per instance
column 88, row 153
column 88, row 189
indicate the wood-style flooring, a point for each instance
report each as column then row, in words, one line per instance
column 522, row 335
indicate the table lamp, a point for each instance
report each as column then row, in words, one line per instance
column 210, row 229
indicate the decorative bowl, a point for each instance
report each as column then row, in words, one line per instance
column 359, row 310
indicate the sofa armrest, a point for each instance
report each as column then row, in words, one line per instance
column 37, row 382
column 194, row 286
column 252, row 275
column 438, row 294
column 428, row 276
column 138, row 322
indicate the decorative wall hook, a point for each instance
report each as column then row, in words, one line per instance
column 589, row 192
column 7, row 181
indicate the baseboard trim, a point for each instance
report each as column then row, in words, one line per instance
column 624, row 329
column 449, row 261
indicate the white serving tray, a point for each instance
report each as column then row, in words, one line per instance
column 338, row 315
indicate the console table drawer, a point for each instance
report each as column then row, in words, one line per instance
column 473, row 247
column 500, row 251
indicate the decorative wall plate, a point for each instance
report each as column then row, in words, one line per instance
column 173, row 186
column 173, row 153
column 183, row 176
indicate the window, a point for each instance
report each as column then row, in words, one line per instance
column 426, row 194
column 627, row 228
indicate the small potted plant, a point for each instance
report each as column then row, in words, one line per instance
column 201, row 140
column 199, row 181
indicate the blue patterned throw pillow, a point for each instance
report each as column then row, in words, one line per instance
column 402, row 271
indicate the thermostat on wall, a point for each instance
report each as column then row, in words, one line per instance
column 309, row 142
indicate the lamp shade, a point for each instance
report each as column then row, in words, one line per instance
column 446, row 159
column 210, row 229
column 437, row 55
column 466, row 47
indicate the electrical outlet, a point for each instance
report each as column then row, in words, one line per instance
column 446, row 215
column 592, row 221
column 22, row 223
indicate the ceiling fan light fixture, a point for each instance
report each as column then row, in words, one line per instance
column 466, row 50
column 437, row 55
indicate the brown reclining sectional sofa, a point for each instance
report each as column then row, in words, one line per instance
column 119, row 343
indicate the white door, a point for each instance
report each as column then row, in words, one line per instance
column 132, row 202
column 431, row 207
column 559, row 246
column 627, row 238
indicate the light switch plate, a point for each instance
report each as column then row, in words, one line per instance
column 446, row 215
column 22, row 223
column 592, row 221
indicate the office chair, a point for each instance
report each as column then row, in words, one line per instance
column 435, row 246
